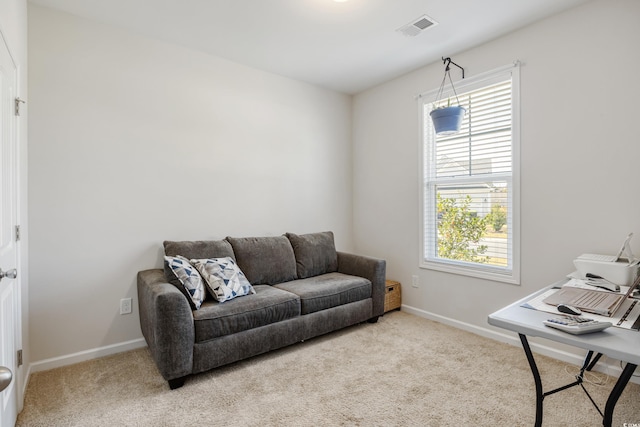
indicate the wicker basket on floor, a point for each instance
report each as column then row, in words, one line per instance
column 392, row 296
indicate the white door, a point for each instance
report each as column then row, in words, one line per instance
column 10, row 313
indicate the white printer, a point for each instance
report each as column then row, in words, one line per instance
column 620, row 269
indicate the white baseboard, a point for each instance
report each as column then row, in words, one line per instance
column 70, row 359
column 607, row 367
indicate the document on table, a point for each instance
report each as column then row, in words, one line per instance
column 627, row 316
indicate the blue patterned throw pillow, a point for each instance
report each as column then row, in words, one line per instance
column 223, row 278
column 189, row 278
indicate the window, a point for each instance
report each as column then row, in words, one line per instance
column 470, row 196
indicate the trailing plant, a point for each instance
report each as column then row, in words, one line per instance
column 438, row 107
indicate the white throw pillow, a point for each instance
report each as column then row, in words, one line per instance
column 223, row 278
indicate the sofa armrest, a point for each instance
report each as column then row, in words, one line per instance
column 166, row 321
column 370, row 268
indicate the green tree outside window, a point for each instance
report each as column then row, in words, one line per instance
column 460, row 230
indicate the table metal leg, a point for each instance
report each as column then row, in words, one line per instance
column 627, row 372
column 594, row 361
column 588, row 364
column 536, row 379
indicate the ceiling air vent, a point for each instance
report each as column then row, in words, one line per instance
column 417, row 26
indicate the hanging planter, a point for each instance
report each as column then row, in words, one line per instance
column 447, row 120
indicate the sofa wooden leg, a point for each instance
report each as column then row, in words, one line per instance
column 176, row 383
column 373, row 320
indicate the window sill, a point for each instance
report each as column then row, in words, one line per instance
column 481, row 273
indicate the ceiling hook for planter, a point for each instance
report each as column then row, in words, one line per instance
column 447, row 120
column 448, row 61
column 447, row 73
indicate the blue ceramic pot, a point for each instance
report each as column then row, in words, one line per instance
column 447, row 120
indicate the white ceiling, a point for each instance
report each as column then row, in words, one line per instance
column 347, row 47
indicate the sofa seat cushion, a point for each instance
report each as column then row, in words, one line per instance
column 327, row 291
column 267, row 305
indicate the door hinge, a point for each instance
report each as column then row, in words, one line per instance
column 19, row 357
column 17, row 233
column 18, row 102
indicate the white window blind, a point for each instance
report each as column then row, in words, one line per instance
column 469, row 178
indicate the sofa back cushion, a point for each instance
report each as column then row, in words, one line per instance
column 200, row 249
column 315, row 253
column 265, row 260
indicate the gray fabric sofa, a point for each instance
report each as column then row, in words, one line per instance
column 303, row 288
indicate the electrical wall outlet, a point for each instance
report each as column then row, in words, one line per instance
column 415, row 281
column 125, row 306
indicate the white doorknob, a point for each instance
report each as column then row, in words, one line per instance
column 11, row 274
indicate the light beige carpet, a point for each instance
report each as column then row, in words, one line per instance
column 402, row 371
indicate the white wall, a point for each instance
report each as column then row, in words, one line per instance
column 578, row 157
column 13, row 24
column 134, row 141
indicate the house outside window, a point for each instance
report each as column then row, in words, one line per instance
column 470, row 181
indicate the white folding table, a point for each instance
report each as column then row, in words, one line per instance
column 616, row 343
